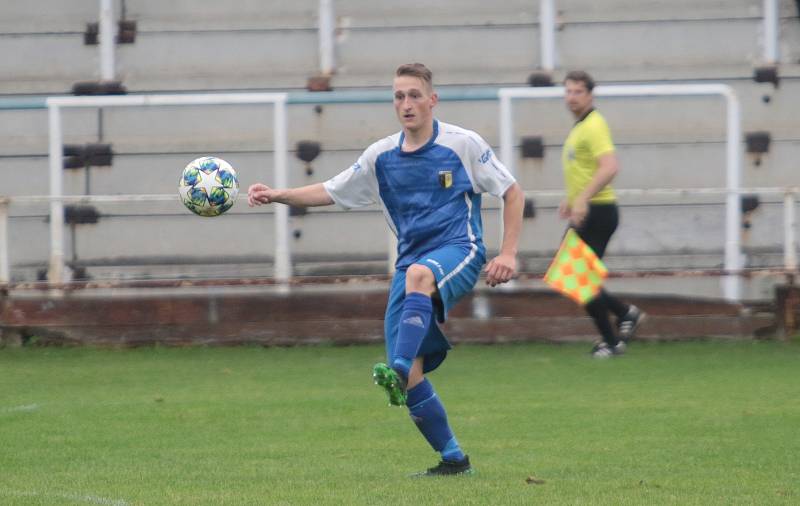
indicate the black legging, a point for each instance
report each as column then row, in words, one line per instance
column 596, row 230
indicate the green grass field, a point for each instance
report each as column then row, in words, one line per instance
column 693, row 423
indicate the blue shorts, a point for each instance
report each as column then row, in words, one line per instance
column 456, row 269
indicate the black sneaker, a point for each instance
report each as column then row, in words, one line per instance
column 449, row 468
column 602, row 350
column 628, row 324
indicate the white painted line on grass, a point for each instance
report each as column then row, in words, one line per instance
column 22, row 408
column 91, row 499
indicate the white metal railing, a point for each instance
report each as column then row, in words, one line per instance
column 733, row 254
column 789, row 228
column 326, row 33
column 790, row 196
column 57, row 198
column 771, row 31
column 106, row 42
column 547, row 34
column 327, row 37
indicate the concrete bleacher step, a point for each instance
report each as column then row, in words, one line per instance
column 56, row 15
column 47, row 63
column 128, row 238
column 203, row 129
column 652, row 165
column 271, row 47
column 47, row 16
column 672, row 165
column 366, row 13
column 211, row 15
column 125, row 237
column 643, row 50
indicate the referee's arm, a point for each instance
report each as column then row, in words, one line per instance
column 607, row 168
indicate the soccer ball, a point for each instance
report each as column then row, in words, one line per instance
column 208, row 186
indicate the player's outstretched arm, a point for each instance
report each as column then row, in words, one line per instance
column 504, row 266
column 304, row 196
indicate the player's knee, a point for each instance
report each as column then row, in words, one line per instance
column 420, row 279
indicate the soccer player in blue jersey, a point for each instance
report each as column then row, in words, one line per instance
column 428, row 179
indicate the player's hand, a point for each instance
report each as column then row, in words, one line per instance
column 501, row 269
column 259, row 194
column 580, row 208
column 563, row 209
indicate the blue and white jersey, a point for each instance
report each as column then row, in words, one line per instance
column 431, row 196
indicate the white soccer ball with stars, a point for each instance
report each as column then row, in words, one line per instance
column 208, row 186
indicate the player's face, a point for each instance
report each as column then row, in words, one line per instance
column 577, row 97
column 413, row 102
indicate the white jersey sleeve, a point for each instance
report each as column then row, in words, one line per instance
column 487, row 172
column 356, row 186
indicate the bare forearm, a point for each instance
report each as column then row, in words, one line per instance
column 514, row 202
column 304, row 196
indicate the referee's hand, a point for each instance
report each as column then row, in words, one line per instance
column 501, row 269
column 578, row 212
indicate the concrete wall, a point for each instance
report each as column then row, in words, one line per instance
column 247, row 44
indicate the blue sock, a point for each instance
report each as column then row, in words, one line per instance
column 430, row 417
column 414, row 322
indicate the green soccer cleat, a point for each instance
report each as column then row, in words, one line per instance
column 393, row 383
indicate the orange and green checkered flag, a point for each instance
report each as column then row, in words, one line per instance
column 576, row 271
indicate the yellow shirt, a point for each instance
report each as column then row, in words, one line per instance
column 587, row 141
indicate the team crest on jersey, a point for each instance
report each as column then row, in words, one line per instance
column 445, row 178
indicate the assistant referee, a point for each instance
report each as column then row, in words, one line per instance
column 590, row 164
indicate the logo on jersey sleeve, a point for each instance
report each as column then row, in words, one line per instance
column 445, row 178
column 356, row 167
column 486, row 156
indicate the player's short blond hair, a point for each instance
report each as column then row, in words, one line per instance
column 417, row 70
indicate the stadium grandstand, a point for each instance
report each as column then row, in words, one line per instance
column 90, row 217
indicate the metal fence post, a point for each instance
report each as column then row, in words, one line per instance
column 771, row 29
column 5, row 275
column 326, row 35
column 789, row 228
column 55, row 273
column 283, row 262
column 106, row 46
column 547, row 34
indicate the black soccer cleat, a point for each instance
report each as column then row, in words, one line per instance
column 628, row 324
column 449, row 468
column 601, row 350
